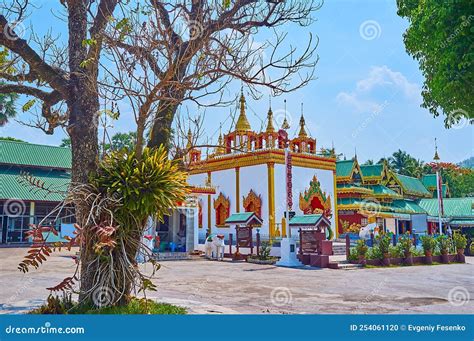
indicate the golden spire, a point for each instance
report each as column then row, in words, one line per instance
column 270, row 128
column 242, row 122
column 190, row 139
column 220, row 143
column 285, row 125
column 436, row 156
column 302, row 132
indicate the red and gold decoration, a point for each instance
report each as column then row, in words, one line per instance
column 315, row 201
column 253, row 203
column 222, row 208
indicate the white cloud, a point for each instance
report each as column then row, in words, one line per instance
column 362, row 98
column 384, row 76
column 360, row 105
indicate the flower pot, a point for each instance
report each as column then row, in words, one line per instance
column 428, row 257
column 408, row 259
column 362, row 260
column 444, row 258
column 386, row 259
column 460, row 257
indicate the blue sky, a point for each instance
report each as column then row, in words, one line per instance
column 366, row 95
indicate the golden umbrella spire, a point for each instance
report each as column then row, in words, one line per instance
column 242, row 122
column 302, row 132
column 436, row 156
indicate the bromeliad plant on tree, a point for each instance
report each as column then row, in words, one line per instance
column 124, row 193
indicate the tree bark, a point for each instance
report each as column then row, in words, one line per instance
column 161, row 132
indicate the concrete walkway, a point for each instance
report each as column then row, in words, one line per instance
column 205, row 287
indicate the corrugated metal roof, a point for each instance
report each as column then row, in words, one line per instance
column 244, row 217
column 12, row 188
column 28, row 154
column 380, row 189
column 407, row 206
column 453, row 207
column 344, row 168
column 412, row 185
column 307, row 219
column 371, row 170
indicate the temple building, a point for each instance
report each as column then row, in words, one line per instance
column 369, row 194
column 247, row 168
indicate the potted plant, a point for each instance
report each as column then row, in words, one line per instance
column 384, row 248
column 361, row 249
column 460, row 241
column 444, row 244
column 428, row 243
column 406, row 245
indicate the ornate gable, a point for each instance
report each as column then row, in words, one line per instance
column 253, row 203
column 314, row 200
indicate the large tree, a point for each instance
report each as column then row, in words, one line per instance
column 62, row 77
column 189, row 49
column 441, row 38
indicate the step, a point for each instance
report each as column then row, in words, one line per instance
column 160, row 256
column 343, row 265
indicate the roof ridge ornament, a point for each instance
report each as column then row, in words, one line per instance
column 285, row 125
column 242, row 124
column 302, row 132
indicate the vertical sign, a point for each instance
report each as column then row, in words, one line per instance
column 289, row 181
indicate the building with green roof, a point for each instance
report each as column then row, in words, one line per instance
column 33, row 180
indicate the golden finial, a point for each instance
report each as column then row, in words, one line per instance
column 285, row 125
column 302, row 132
column 190, row 139
column 242, row 122
column 436, row 156
column 270, row 128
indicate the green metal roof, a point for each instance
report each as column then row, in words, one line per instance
column 462, row 222
column 453, row 207
column 28, row 154
column 12, row 188
column 412, row 185
column 344, row 168
column 380, row 189
column 429, row 180
column 241, row 218
column 307, row 219
column 371, row 170
column 408, row 206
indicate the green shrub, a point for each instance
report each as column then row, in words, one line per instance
column 428, row 243
column 352, row 254
column 460, row 241
column 444, row 244
column 361, row 247
column 374, row 253
column 384, row 242
column 64, row 305
column 264, row 250
column 405, row 244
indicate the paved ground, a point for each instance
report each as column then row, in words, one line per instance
column 225, row 287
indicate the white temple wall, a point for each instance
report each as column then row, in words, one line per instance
column 301, row 182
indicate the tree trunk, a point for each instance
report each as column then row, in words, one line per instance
column 161, row 130
column 83, row 106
